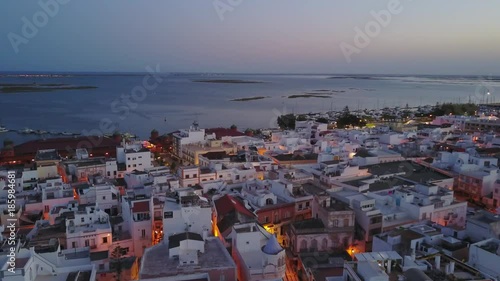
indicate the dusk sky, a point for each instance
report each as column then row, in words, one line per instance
column 256, row 36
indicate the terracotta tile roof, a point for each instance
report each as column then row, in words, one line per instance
column 140, row 207
column 224, row 132
column 63, row 144
column 227, row 204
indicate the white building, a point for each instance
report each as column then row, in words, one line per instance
column 187, row 256
column 137, row 210
column 90, row 227
column 55, row 193
column 192, row 135
column 257, row 253
column 60, row 265
column 102, row 193
column 485, row 257
column 134, row 156
column 426, row 202
column 192, row 213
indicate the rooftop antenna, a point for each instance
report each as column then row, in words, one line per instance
column 195, row 122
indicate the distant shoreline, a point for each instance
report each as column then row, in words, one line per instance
column 227, row 81
column 249, row 99
column 9, row 88
column 310, row 95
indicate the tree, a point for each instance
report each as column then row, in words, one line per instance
column 116, row 262
column 154, row 134
column 7, row 143
column 322, row 120
column 346, row 111
column 301, row 118
column 173, row 166
column 233, row 127
column 286, row 122
column 249, row 132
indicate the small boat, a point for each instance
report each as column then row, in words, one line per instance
column 27, row 131
column 41, row 132
column 66, row 134
column 3, row 129
column 129, row 136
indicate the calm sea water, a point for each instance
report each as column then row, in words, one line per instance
column 178, row 101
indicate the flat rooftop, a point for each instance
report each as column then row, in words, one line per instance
column 156, row 262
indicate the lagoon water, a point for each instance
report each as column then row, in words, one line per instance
column 178, row 100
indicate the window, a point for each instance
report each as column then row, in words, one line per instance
column 101, row 266
column 195, row 175
column 87, row 243
column 83, row 219
column 73, row 244
column 128, row 158
column 307, row 205
column 104, row 198
column 143, row 233
column 168, row 215
column 109, row 173
column 135, row 165
column 266, row 219
column 300, row 207
column 187, row 176
column 114, row 173
column 104, row 240
column 124, row 251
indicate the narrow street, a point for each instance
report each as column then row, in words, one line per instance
column 290, row 275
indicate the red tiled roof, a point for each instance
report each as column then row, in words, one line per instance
column 63, row 144
column 140, row 207
column 224, row 132
column 227, row 204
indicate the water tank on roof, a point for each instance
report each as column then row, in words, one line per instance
column 272, row 246
column 414, row 274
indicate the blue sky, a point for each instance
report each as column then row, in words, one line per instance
column 254, row 36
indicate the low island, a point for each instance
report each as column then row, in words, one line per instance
column 29, row 88
column 248, row 99
column 227, row 81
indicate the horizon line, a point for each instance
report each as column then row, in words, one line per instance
column 237, row 73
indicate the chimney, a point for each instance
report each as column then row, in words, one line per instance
column 205, row 235
column 437, row 262
column 452, row 267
